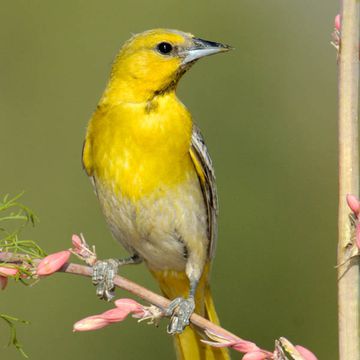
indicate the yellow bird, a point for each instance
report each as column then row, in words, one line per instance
column 154, row 179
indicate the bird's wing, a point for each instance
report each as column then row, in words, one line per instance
column 205, row 171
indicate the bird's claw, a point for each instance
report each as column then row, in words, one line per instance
column 180, row 310
column 104, row 272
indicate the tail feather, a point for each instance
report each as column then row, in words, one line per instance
column 210, row 307
column 188, row 344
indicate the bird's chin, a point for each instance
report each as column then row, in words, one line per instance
column 185, row 66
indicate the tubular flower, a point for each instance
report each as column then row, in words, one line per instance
column 76, row 242
column 7, row 271
column 52, row 263
column 255, row 355
column 123, row 308
column 353, row 203
column 130, row 305
column 236, row 343
column 90, row 323
column 337, row 22
column 115, row 315
column 82, row 250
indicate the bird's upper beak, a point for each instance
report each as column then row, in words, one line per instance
column 201, row 48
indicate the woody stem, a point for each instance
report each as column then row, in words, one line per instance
column 349, row 280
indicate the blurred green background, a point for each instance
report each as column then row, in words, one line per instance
column 268, row 112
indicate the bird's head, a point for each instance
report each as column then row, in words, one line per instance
column 152, row 62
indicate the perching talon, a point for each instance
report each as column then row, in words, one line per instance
column 104, row 272
column 180, row 310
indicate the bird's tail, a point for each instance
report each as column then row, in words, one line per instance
column 187, row 344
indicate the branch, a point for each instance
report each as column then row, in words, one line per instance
column 349, row 280
column 130, row 286
column 219, row 337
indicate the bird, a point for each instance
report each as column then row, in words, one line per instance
column 154, row 179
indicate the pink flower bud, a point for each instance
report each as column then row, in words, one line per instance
column 5, row 271
column 115, row 315
column 3, row 282
column 52, row 263
column 130, row 305
column 255, row 355
column 337, row 22
column 305, row 353
column 90, row 323
column 353, row 203
column 76, row 241
column 245, row 346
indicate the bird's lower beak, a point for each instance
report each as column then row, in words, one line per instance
column 203, row 48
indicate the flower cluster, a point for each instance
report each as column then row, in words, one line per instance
column 54, row 262
column 252, row 352
column 123, row 308
column 49, row 264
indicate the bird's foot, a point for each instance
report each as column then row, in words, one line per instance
column 104, row 272
column 180, row 310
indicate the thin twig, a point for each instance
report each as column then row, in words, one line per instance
column 129, row 286
column 349, row 280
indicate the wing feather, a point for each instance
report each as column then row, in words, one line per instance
column 205, row 171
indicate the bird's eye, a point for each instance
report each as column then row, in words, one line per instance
column 164, row 48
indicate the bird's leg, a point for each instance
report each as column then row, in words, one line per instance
column 180, row 310
column 104, row 272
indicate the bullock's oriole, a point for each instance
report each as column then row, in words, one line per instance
column 154, row 178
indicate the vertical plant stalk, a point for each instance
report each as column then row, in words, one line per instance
column 349, row 279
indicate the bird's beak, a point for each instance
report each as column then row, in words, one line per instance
column 201, row 48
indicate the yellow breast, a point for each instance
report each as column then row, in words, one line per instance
column 136, row 148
